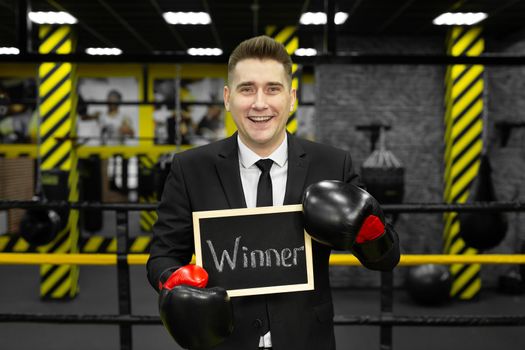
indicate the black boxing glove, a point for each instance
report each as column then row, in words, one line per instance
column 346, row 217
column 197, row 318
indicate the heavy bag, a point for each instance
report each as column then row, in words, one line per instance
column 483, row 230
column 91, row 191
column 383, row 174
column 40, row 226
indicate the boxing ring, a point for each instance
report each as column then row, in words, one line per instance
column 386, row 319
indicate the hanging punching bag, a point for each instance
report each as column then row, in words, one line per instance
column 482, row 230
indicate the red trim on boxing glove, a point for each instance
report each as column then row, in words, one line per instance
column 190, row 275
column 372, row 228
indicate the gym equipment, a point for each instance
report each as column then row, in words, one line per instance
column 483, row 230
column 429, row 284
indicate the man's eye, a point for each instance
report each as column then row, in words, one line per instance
column 274, row 89
column 246, row 89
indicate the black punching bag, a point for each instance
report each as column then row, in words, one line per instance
column 483, row 230
column 91, row 191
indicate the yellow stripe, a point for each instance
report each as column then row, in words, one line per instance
column 471, row 114
column 454, row 231
column 64, row 287
column 469, row 176
column 477, row 48
column 44, row 68
column 466, row 79
column 465, row 41
column 51, row 81
column 93, row 244
column 474, row 151
column 62, row 131
column 65, row 48
column 52, row 101
column 112, row 247
column 467, row 98
column 52, row 279
column 52, row 161
column 292, row 126
column 457, row 246
column 54, row 39
column 456, row 71
column 140, row 244
column 293, row 45
column 21, row 245
column 463, row 279
column 285, row 34
column 472, row 290
column 3, row 243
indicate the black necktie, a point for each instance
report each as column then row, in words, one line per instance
column 264, row 187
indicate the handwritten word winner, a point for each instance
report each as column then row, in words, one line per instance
column 286, row 257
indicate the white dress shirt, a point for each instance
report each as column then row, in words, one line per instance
column 250, row 178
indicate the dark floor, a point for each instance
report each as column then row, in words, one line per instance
column 20, row 289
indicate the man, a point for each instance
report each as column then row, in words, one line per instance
column 225, row 175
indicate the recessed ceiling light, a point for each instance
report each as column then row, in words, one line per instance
column 100, row 51
column 203, row 51
column 52, row 17
column 318, row 18
column 9, row 51
column 459, row 18
column 305, row 52
column 191, row 18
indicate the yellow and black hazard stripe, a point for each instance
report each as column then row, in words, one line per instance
column 463, row 147
column 92, row 244
column 146, row 174
column 57, row 117
column 287, row 36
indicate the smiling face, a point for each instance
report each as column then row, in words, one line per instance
column 260, row 99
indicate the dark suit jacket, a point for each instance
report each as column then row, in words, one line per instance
column 208, row 178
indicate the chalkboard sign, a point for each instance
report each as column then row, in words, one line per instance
column 255, row 250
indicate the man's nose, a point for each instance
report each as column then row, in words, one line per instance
column 259, row 100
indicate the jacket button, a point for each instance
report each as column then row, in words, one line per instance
column 257, row 323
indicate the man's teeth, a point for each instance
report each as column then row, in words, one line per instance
column 260, row 119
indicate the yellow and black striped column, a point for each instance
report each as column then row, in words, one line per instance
column 288, row 37
column 57, row 113
column 463, row 147
column 147, row 192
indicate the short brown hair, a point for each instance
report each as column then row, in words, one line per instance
column 261, row 47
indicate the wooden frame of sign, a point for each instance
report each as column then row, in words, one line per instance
column 254, row 251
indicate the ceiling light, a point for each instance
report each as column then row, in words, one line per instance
column 459, row 18
column 191, row 18
column 318, row 18
column 9, row 51
column 52, row 17
column 100, row 51
column 202, row 51
column 305, row 52
column 340, row 18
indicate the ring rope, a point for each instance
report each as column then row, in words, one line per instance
column 335, row 259
column 339, row 320
column 387, row 208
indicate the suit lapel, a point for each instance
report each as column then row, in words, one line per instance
column 297, row 168
column 228, row 169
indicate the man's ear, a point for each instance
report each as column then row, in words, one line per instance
column 226, row 97
column 293, row 94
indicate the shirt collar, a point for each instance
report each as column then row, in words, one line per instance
column 248, row 157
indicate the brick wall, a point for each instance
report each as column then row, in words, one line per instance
column 410, row 98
